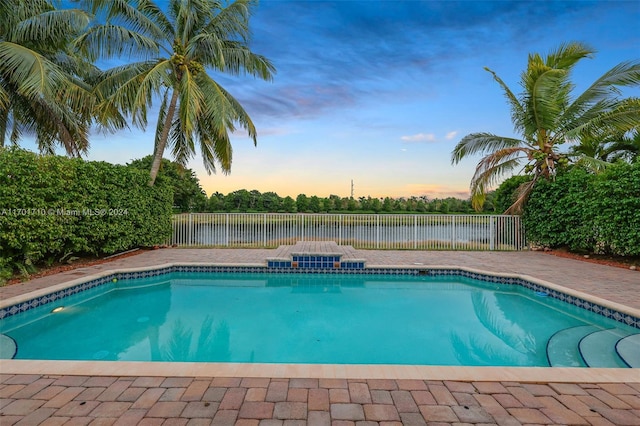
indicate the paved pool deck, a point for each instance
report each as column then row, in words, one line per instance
column 106, row 393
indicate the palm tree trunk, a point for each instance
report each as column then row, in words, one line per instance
column 4, row 120
column 162, row 142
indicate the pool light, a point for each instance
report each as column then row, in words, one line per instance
column 57, row 309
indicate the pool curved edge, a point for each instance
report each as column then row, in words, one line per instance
column 341, row 371
column 320, row 371
column 616, row 307
column 549, row 285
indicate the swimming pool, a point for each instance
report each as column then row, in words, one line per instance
column 418, row 318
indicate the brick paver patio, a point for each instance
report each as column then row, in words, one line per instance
column 75, row 399
column 81, row 400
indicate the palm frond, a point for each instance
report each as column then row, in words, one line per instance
column 548, row 90
column 223, row 152
column 191, row 103
column 28, row 71
column 12, row 12
column 236, row 58
column 568, row 54
column 231, row 21
column 131, row 88
column 15, row 133
column 620, row 117
column 222, row 109
column 627, row 148
column 53, row 122
column 125, row 12
column 221, row 114
column 625, row 74
column 112, row 79
column 181, row 144
column 4, row 99
column 480, row 143
column 106, row 41
column 592, row 164
column 142, row 90
column 49, row 30
column 521, row 196
column 215, row 146
column 547, row 100
column 518, row 113
column 207, row 49
column 600, row 96
column 493, row 167
column 192, row 16
column 578, row 123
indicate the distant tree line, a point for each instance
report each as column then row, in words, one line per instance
column 255, row 201
column 190, row 197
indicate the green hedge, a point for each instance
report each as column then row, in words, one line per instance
column 586, row 212
column 54, row 207
column 506, row 194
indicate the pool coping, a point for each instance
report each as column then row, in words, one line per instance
column 343, row 371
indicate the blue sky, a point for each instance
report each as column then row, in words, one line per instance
column 379, row 92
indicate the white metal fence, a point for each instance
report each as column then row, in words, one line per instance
column 365, row 231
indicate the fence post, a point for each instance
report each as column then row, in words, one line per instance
column 453, row 232
column 492, row 230
column 415, row 231
column 190, row 230
column 226, row 229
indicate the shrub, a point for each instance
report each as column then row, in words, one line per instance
column 506, row 194
column 53, row 207
column 587, row 212
column 616, row 200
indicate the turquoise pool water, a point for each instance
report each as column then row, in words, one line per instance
column 318, row 318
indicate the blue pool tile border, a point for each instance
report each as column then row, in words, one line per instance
column 356, row 268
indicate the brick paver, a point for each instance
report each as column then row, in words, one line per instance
column 42, row 399
column 318, row 400
column 347, row 412
column 256, row 410
column 238, row 405
column 359, row 393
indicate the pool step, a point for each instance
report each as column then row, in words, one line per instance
column 562, row 347
column 8, row 347
column 628, row 348
column 591, row 346
column 315, row 255
column 598, row 349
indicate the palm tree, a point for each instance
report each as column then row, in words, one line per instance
column 42, row 87
column 626, row 148
column 546, row 116
column 608, row 149
column 177, row 47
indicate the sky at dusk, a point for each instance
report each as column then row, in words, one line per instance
column 379, row 92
